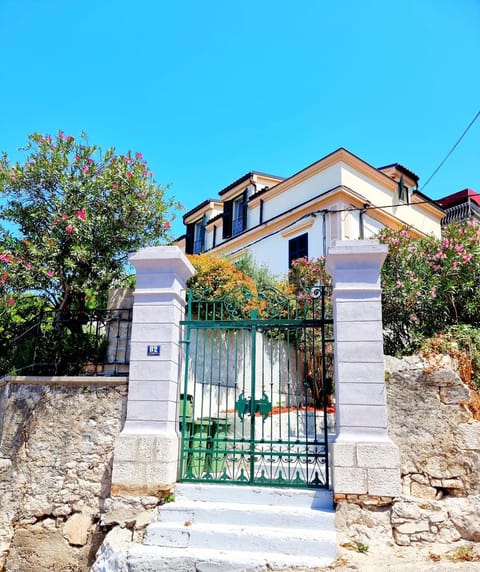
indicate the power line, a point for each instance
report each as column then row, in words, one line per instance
column 451, row 150
column 365, row 209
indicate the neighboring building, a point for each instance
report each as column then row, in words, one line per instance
column 461, row 206
column 277, row 220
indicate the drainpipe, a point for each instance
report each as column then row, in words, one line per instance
column 361, row 221
column 324, row 231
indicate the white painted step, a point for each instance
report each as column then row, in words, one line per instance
column 252, row 539
column 242, row 514
column 221, row 528
column 313, row 498
column 155, row 559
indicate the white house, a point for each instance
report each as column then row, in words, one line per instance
column 277, row 220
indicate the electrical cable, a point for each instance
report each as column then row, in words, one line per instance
column 451, row 150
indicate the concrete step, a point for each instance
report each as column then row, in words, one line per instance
column 244, row 515
column 312, row 498
column 152, row 558
column 221, row 527
column 252, row 539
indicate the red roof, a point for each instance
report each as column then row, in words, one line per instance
column 460, row 197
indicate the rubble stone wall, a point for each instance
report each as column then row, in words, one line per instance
column 56, row 448
column 439, row 442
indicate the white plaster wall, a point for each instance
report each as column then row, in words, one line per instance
column 371, row 227
column 302, row 192
column 273, row 250
column 382, row 196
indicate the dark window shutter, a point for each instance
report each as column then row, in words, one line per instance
column 297, row 248
column 189, row 237
column 227, row 219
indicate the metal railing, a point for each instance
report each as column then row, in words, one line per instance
column 92, row 342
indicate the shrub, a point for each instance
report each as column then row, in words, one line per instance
column 429, row 284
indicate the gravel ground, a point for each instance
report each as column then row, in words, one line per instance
column 429, row 558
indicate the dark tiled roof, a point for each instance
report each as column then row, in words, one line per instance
column 197, row 208
column 245, row 178
column 402, row 169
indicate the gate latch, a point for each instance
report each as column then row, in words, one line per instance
column 262, row 406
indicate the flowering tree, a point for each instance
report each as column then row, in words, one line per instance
column 429, row 284
column 77, row 212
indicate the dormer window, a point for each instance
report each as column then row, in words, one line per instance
column 235, row 215
column 195, row 236
column 403, row 193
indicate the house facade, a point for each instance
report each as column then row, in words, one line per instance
column 276, row 220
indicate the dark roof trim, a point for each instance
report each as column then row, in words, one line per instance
column 215, row 218
column 402, row 169
column 428, row 200
column 197, row 208
column 245, row 178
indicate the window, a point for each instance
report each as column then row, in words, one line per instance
column 195, row 236
column 297, row 248
column 235, row 215
column 403, row 191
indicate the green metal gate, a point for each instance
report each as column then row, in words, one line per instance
column 256, row 402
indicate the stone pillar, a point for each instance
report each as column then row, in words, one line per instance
column 364, row 459
column 146, row 451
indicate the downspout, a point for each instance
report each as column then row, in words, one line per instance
column 324, row 231
column 361, row 221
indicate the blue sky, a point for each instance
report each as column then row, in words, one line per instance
column 210, row 90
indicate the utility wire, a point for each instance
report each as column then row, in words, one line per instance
column 451, row 150
column 365, row 209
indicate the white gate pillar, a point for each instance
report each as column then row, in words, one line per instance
column 146, row 451
column 364, row 459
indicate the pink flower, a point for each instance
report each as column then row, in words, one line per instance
column 11, row 301
column 145, row 173
column 129, row 174
column 69, row 229
column 64, row 217
column 467, row 257
column 6, row 258
column 139, row 156
column 82, row 214
column 168, row 226
column 115, row 185
column 50, row 273
column 70, row 138
column 85, row 169
column 459, row 248
column 28, row 265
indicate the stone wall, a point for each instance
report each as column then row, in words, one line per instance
column 439, row 442
column 56, row 447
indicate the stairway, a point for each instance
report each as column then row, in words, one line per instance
column 225, row 528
